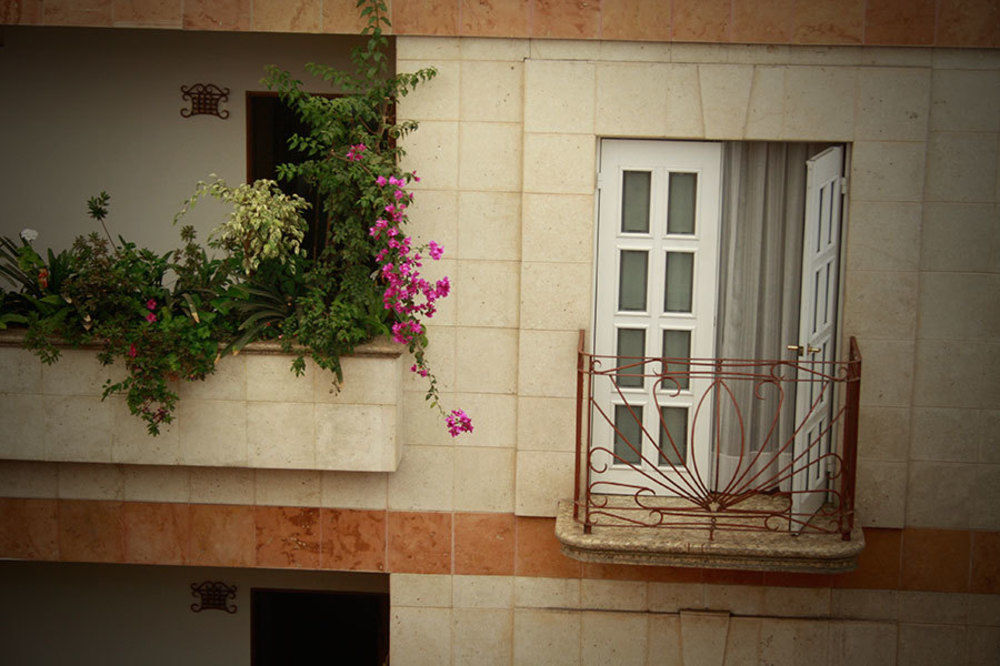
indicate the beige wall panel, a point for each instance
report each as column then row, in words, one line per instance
column 884, row 236
column 887, row 171
column 961, row 166
column 766, row 108
column 490, row 157
column 881, row 304
column 881, row 493
column 558, row 96
column 961, row 237
column 436, row 99
column 486, row 293
column 546, row 424
column 546, row 637
column 613, row 638
column 354, row 490
column 287, row 487
column 494, row 417
column 884, row 433
column 892, row 104
column 147, row 483
column 490, row 225
column 483, row 591
column 543, row 478
column 492, row 91
column 483, row 636
column 484, row 479
column 619, row 86
column 420, row 636
column 424, row 480
column 965, row 101
column 725, row 95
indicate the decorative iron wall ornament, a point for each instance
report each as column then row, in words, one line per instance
column 205, row 99
column 215, row 595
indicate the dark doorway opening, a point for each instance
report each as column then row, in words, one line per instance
column 296, row 626
column 270, row 124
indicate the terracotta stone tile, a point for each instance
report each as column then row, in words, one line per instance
column 829, row 22
column 287, row 536
column 494, row 18
column 24, row 12
column 640, row 20
column 163, row 13
column 899, row 22
column 603, row 571
column 425, row 17
column 222, row 536
column 733, row 577
column 29, row 529
column 484, row 543
column 878, row 564
column 538, row 552
column 343, row 17
column 968, row 23
column 936, row 560
column 287, row 15
column 762, row 21
column 419, row 542
column 701, row 20
column 217, row 14
column 985, row 562
column 566, row 19
column 77, row 12
column 91, row 531
column 353, row 540
column 792, row 579
column 156, row 533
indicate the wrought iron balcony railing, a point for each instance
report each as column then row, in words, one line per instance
column 717, row 444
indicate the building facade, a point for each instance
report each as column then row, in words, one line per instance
column 512, row 131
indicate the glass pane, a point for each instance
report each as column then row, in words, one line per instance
column 675, row 421
column 631, row 342
column 635, row 202
column 632, row 280
column 680, row 272
column 631, row 433
column 676, row 344
column 680, row 216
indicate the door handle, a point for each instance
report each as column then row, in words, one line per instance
column 801, row 349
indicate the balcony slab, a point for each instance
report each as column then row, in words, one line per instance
column 756, row 550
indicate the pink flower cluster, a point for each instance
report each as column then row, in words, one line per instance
column 150, row 305
column 354, row 153
column 407, row 293
column 458, row 422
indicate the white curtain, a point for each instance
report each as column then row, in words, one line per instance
column 761, row 255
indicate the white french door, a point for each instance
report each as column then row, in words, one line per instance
column 656, row 284
column 817, row 329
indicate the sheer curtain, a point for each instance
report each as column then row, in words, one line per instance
column 760, row 282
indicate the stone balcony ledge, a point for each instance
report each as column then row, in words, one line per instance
column 253, row 412
column 750, row 550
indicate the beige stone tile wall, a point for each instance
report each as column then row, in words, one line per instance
column 253, row 412
column 516, row 620
column 922, row 238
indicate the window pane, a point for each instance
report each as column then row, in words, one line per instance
column 680, row 271
column 635, row 202
column 675, row 422
column 631, row 342
column 680, row 216
column 632, row 280
column 676, row 344
column 631, row 433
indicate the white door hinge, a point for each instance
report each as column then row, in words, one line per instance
column 843, row 184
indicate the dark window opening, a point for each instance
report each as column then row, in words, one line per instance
column 270, row 124
column 294, row 626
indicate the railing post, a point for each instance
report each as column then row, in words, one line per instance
column 579, row 427
column 851, row 409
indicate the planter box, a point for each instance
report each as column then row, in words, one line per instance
column 253, row 412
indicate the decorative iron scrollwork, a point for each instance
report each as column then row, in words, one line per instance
column 215, row 595
column 205, row 99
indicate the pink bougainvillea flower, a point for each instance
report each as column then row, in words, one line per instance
column 354, row 153
column 131, row 351
column 150, row 317
column 380, row 181
column 458, row 422
column 434, row 250
column 151, row 304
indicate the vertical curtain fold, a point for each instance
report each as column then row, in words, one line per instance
column 758, row 313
